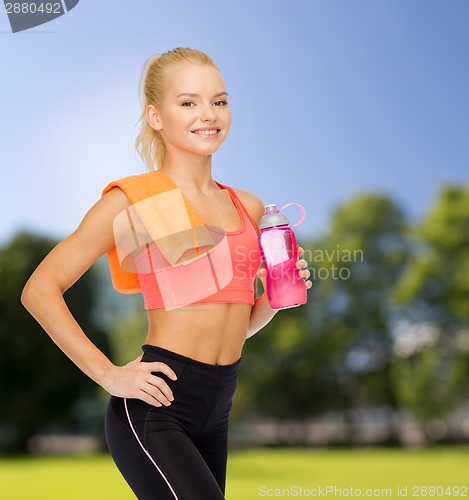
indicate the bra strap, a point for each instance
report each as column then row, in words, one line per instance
column 239, row 202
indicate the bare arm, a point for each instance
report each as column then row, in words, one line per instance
column 43, row 298
column 261, row 314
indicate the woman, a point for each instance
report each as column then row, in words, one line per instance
column 167, row 419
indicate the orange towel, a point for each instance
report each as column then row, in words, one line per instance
column 159, row 214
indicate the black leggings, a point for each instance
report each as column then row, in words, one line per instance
column 177, row 451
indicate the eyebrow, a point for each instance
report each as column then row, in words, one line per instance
column 197, row 95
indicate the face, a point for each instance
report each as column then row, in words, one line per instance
column 195, row 117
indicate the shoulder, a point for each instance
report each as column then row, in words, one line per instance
column 114, row 199
column 253, row 204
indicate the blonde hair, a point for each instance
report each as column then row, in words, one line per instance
column 149, row 143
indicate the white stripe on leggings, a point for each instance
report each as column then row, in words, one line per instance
column 146, row 451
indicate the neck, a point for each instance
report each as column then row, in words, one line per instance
column 189, row 171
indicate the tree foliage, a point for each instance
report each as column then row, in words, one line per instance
column 39, row 384
column 434, row 292
column 386, row 324
column 308, row 361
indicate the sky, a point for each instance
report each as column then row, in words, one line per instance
column 330, row 98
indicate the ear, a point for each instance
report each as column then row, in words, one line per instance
column 153, row 117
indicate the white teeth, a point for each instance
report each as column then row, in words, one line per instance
column 206, row 132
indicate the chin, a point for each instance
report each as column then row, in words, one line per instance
column 207, row 150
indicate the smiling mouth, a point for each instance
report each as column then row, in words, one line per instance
column 207, row 132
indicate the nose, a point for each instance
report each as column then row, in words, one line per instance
column 207, row 112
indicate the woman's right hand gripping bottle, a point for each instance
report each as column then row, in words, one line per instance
column 277, row 242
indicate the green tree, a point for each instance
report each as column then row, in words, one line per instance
column 369, row 234
column 122, row 316
column 334, row 353
column 127, row 333
column 39, row 385
column 431, row 371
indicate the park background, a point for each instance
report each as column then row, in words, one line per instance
column 356, row 109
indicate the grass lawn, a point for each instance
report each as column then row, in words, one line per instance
column 259, row 473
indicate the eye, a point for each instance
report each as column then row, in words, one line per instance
column 188, row 104
column 223, row 102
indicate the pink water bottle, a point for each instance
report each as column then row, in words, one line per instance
column 277, row 242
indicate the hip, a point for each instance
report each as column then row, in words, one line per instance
column 203, row 395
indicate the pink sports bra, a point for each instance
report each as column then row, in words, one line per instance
column 225, row 274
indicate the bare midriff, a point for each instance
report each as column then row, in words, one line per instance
column 211, row 333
